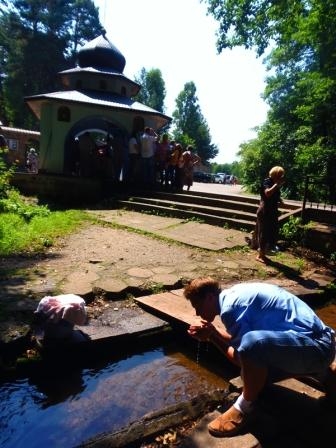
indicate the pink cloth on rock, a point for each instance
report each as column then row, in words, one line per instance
column 69, row 307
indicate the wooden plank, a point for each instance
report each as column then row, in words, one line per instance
column 173, row 305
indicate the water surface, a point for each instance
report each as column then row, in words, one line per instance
column 63, row 408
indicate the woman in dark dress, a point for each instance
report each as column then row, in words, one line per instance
column 268, row 213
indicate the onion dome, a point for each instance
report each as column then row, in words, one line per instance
column 101, row 54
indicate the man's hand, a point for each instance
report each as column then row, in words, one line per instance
column 202, row 332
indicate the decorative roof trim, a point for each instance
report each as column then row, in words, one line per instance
column 19, row 131
column 111, row 101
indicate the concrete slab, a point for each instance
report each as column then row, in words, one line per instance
column 195, row 234
column 136, row 220
column 117, row 320
column 205, row 236
column 279, row 420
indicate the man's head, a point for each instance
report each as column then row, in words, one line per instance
column 203, row 295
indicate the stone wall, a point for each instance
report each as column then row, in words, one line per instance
column 61, row 189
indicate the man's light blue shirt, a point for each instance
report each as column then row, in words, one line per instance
column 262, row 306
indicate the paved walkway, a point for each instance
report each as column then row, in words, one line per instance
column 117, row 268
column 168, row 270
column 192, row 233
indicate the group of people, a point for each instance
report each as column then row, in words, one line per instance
column 147, row 159
column 155, row 160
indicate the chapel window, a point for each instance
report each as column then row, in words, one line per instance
column 63, row 114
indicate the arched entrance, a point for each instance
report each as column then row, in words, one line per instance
column 96, row 147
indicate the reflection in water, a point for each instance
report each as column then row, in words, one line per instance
column 63, row 409
column 58, row 386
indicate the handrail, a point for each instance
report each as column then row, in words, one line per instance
column 319, row 193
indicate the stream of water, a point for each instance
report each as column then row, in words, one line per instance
column 63, row 408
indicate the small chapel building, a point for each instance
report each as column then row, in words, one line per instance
column 94, row 108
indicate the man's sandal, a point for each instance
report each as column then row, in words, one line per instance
column 228, row 424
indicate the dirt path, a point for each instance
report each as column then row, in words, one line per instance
column 117, row 261
column 100, row 253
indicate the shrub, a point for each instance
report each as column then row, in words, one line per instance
column 293, row 231
column 18, row 205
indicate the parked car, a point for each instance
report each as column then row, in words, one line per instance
column 201, row 176
column 225, row 178
column 222, row 177
column 216, row 178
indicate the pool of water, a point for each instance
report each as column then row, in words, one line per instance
column 62, row 407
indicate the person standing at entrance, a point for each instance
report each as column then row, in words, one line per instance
column 269, row 333
column 134, row 159
column 161, row 158
column 267, row 227
column 148, row 146
column 3, row 143
column 87, row 150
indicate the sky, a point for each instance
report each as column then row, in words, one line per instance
column 177, row 37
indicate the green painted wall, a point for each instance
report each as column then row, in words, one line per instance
column 55, row 132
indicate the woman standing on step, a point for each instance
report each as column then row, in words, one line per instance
column 267, row 227
column 190, row 159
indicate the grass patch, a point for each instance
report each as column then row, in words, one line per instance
column 19, row 235
column 296, row 264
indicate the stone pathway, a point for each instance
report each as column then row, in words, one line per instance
column 116, row 263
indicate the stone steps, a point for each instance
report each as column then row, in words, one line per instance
column 235, row 211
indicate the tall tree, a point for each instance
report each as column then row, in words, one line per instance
column 153, row 90
column 299, row 36
column 189, row 124
column 37, row 40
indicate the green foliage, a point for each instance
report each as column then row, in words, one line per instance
column 189, row 123
column 16, row 204
column 156, row 288
column 27, row 226
column 293, row 231
column 298, row 38
column 153, row 91
column 18, row 234
column 221, row 168
column 37, row 40
column 5, row 174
